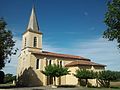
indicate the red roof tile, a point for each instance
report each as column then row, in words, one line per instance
column 45, row 53
column 83, row 63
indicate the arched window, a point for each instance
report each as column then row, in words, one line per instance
column 35, row 42
column 37, row 64
column 50, row 62
column 60, row 63
column 25, row 42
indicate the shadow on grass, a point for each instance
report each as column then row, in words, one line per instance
column 38, row 89
column 66, row 86
column 10, row 87
column 115, row 87
column 7, row 87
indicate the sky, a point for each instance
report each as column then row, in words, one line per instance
column 68, row 26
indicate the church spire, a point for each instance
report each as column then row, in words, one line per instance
column 33, row 24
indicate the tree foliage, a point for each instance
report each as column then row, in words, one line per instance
column 85, row 74
column 6, row 43
column 55, row 71
column 2, row 77
column 108, row 76
column 9, row 78
column 112, row 20
column 104, row 77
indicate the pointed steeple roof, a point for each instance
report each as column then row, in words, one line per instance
column 33, row 24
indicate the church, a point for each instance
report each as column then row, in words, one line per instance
column 33, row 60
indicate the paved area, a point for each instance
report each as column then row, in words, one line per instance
column 41, row 88
column 49, row 88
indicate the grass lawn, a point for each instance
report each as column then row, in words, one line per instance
column 98, row 89
column 114, row 85
column 7, row 85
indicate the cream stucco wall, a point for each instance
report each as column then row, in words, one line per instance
column 27, row 61
column 54, row 60
column 26, row 70
column 27, row 64
column 70, row 78
column 30, row 39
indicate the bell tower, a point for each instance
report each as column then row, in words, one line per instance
column 31, row 42
column 32, row 38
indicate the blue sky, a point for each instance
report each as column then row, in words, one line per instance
column 68, row 26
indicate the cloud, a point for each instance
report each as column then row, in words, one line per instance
column 92, row 28
column 72, row 33
column 50, row 48
column 98, row 50
column 101, row 51
column 86, row 13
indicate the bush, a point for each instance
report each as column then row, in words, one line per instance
column 9, row 78
column 2, row 77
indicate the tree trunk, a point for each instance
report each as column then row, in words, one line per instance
column 96, row 83
column 51, row 80
column 54, row 81
column 59, row 80
column 108, row 83
column 79, row 81
column 86, row 82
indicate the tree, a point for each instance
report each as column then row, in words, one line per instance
column 2, row 77
column 108, row 76
column 112, row 20
column 9, row 78
column 55, row 71
column 6, row 44
column 85, row 74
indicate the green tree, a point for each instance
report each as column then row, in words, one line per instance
column 9, row 78
column 55, row 71
column 108, row 76
column 85, row 74
column 112, row 20
column 6, row 44
column 2, row 75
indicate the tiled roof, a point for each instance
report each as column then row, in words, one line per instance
column 46, row 53
column 83, row 63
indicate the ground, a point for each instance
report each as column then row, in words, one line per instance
column 48, row 88
column 9, row 87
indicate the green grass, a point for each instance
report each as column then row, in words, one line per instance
column 84, row 88
column 7, row 85
column 114, row 86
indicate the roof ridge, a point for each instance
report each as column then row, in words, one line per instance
column 46, row 53
column 64, row 54
column 83, row 62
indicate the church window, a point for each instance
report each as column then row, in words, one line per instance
column 50, row 62
column 35, row 42
column 60, row 63
column 25, row 42
column 37, row 64
column 57, row 62
column 46, row 62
